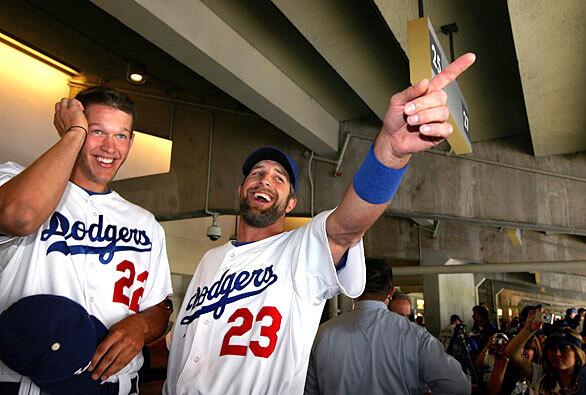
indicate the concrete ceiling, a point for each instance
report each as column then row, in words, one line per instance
column 305, row 65
column 549, row 42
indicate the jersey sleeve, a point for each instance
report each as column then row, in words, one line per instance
column 316, row 268
column 158, row 285
column 8, row 171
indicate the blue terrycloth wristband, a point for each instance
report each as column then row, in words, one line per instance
column 375, row 182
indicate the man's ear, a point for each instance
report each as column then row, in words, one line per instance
column 390, row 295
column 131, row 139
column 291, row 204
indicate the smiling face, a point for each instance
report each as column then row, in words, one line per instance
column 265, row 194
column 105, row 148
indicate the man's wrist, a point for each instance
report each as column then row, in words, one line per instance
column 384, row 152
column 374, row 182
column 77, row 129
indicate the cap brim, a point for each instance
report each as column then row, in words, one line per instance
column 562, row 341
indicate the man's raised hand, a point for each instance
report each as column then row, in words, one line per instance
column 68, row 113
column 417, row 118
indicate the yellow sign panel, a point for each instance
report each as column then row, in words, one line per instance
column 426, row 60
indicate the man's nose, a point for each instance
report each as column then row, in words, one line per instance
column 265, row 180
column 108, row 144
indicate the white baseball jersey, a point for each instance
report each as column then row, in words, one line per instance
column 99, row 250
column 251, row 312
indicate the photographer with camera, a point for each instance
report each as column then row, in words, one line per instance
column 447, row 332
column 561, row 369
column 460, row 347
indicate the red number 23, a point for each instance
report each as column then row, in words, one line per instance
column 269, row 332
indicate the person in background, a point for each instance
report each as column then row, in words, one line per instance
column 401, row 304
column 570, row 318
column 482, row 329
column 514, row 327
column 447, row 332
column 372, row 350
column 561, row 370
column 580, row 320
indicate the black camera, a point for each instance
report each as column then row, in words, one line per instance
column 461, row 330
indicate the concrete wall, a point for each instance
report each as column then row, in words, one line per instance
column 463, row 189
column 399, row 238
column 563, row 281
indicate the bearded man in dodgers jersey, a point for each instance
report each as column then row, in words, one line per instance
column 252, row 309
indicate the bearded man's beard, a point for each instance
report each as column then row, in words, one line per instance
column 260, row 218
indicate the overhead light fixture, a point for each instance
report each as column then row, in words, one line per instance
column 37, row 54
column 136, row 73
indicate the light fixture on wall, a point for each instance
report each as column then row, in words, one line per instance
column 38, row 54
column 136, row 73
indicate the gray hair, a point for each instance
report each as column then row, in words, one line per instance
column 397, row 295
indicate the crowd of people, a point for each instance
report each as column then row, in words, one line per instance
column 380, row 345
column 530, row 354
column 534, row 353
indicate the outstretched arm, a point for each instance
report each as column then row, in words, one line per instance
column 514, row 349
column 416, row 120
column 126, row 339
column 27, row 200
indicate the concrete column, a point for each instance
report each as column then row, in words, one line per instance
column 431, row 290
column 446, row 294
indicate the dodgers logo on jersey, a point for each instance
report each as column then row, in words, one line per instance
column 220, row 293
column 59, row 226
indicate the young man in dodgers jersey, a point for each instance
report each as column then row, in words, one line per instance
column 64, row 232
column 251, row 312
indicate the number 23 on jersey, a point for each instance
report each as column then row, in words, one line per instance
column 248, row 321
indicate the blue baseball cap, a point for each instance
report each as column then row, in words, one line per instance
column 276, row 155
column 563, row 336
column 572, row 310
column 51, row 339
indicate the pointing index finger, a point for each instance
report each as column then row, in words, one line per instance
column 450, row 73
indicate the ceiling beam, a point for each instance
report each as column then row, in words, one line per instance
column 510, row 267
column 549, row 40
column 196, row 36
column 355, row 41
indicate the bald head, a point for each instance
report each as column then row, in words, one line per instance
column 400, row 304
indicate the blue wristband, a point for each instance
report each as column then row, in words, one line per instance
column 375, row 182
